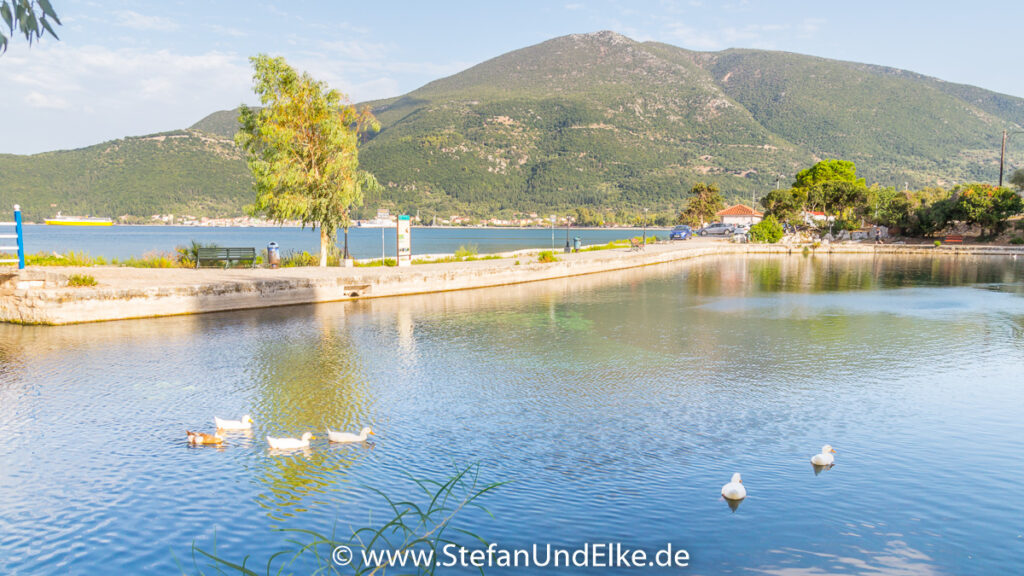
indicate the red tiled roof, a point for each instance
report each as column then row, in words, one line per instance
column 739, row 210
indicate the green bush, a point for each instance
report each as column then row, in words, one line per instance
column 547, row 256
column 1017, row 241
column 767, row 231
column 938, row 243
column 76, row 280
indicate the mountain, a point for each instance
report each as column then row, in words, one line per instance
column 586, row 120
column 179, row 172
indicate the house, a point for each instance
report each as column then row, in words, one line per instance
column 739, row 214
column 815, row 218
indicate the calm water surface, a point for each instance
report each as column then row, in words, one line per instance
column 617, row 405
column 127, row 241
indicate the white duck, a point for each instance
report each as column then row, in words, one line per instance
column 348, row 436
column 244, row 424
column 290, row 443
column 825, row 458
column 734, row 490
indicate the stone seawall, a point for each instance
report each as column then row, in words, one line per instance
column 41, row 295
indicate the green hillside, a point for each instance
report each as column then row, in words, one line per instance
column 594, row 120
column 181, row 172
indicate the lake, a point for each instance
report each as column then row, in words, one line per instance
column 127, row 241
column 615, row 405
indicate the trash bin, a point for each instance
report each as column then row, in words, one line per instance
column 576, row 243
column 273, row 255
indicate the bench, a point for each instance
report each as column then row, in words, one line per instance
column 635, row 245
column 954, row 239
column 226, row 255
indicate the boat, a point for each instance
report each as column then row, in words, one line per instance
column 78, row 221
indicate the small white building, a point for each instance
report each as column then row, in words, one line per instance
column 740, row 214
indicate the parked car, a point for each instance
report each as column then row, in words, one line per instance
column 681, row 232
column 716, row 229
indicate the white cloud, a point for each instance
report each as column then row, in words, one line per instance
column 574, row 6
column 38, row 100
column 136, row 21
column 113, row 93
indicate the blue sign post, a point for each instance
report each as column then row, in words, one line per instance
column 19, row 235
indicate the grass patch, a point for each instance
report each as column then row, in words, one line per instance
column 378, row 263
column 79, row 280
column 609, row 246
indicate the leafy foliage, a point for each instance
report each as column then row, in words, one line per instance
column 704, row 204
column 302, row 150
column 1018, row 179
column 30, row 18
column 985, row 205
column 767, row 231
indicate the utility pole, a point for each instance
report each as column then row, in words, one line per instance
column 1002, row 155
column 1002, row 152
column 645, row 227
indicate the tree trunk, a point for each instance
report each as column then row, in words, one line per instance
column 324, row 240
column 347, row 255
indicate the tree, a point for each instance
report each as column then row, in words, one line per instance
column 985, row 205
column 704, row 204
column 1018, row 179
column 887, row 206
column 828, row 171
column 30, row 18
column 786, row 205
column 302, row 149
column 833, row 187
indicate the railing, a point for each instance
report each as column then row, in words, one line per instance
column 19, row 236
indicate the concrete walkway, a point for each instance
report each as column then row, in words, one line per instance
column 41, row 295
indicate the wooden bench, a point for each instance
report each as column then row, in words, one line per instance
column 954, row 239
column 226, row 255
column 635, row 245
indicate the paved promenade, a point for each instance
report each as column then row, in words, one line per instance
column 41, row 296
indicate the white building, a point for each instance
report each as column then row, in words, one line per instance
column 740, row 214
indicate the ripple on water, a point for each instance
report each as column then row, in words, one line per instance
column 617, row 409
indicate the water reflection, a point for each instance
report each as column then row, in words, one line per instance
column 306, row 381
column 819, row 468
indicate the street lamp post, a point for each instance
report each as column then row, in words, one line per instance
column 552, row 232
column 567, row 248
column 1002, row 152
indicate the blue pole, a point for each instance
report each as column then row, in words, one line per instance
column 21, row 237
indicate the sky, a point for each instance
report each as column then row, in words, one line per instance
column 132, row 68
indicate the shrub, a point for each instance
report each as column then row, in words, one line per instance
column 187, row 255
column 1017, row 241
column 77, row 280
column 767, row 231
column 466, row 252
column 938, row 243
column 547, row 256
